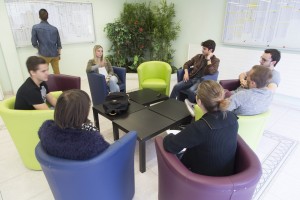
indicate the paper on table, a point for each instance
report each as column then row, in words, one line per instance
column 173, row 131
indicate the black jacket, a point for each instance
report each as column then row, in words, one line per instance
column 211, row 144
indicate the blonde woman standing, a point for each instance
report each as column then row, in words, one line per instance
column 103, row 66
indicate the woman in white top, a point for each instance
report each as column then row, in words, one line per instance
column 103, row 66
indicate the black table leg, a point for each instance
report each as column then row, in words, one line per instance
column 142, row 155
column 96, row 118
column 115, row 132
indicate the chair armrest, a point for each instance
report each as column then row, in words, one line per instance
column 180, row 73
column 121, row 72
column 210, row 77
column 247, row 168
column 176, row 167
column 230, row 84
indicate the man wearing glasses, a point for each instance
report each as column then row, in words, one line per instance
column 270, row 58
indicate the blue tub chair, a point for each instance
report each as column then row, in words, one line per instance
column 110, row 175
column 98, row 87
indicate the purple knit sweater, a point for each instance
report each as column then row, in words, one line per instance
column 73, row 144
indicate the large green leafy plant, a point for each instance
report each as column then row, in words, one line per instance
column 142, row 33
column 164, row 32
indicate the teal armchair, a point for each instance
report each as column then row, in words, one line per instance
column 155, row 75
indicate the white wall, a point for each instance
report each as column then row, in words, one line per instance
column 237, row 60
column 199, row 19
column 74, row 56
column 4, row 78
column 9, row 55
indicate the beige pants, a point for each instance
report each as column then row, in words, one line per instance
column 54, row 63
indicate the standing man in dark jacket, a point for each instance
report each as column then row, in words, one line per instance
column 45, row 38
column 203, row 64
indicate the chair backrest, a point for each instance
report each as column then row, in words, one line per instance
column 98, row 87
column 251, row 128
column 198, row 112
column 121, row 72
column 214, row 76
column 154, row 69
column 176, row 182
column 62, row 82
column 109, row 175
column 23, row 126
column 230, row 84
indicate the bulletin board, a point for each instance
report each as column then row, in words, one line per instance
column 73, row 20
column 263, row 23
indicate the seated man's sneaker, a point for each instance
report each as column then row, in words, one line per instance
column 190, row 107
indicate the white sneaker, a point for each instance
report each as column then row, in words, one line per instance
column 190, row 107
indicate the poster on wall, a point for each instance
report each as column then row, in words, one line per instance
column 73, row 20
column 264, row 23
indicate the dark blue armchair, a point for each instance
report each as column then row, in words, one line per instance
column 186, row 93
column 98, row 87
column 110, row 175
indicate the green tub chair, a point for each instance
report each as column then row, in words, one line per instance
column 155, row 75
column 23, row 126
column 251, row 128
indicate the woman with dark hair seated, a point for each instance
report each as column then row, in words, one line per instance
column 71, row 135
column 210, row 142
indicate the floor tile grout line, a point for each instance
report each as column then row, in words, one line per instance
column 278, row 118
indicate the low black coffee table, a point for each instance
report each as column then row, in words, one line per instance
column 147, row 121
column 147, row 124
column 98, row 109
column 147, row 96
column 172, row 109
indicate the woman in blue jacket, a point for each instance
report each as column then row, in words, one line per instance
column 71, row 135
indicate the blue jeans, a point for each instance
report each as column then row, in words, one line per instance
column 190, row 85
column 113, row 84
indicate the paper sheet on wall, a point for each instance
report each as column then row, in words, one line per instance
column 73, row 20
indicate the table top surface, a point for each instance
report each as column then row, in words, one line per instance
column 133, row 107
column 172, row 109
column 147, row 96
column 146, row 122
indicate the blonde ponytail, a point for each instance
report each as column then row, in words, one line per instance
column 212, row 96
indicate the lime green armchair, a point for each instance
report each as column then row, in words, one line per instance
column 23, row 126
column 198, row 112
column 155, row 75
column 251, row 128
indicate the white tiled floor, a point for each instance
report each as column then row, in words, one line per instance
column 19, row 183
